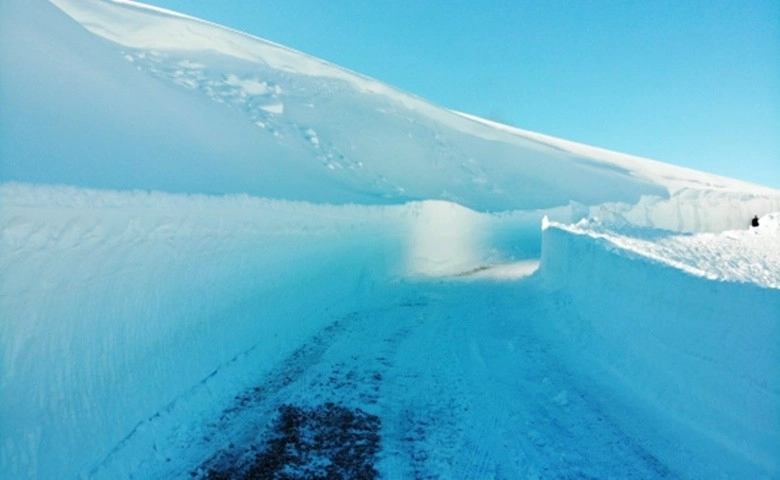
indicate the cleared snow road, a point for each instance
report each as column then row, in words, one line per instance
column 460, row 391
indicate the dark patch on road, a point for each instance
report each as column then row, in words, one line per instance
column 328, row 441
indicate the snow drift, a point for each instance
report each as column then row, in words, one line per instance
column 236, row 114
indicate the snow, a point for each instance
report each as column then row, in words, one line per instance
column 684, row 323
column 200, row 229
column 113, row 267
column 436, row 154
column 742, row 256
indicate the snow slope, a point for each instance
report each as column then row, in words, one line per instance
column 198, row 227
column 297, row 127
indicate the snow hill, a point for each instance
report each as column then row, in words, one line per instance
column 202, row 230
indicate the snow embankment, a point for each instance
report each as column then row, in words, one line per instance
column 689, row 324
column 115, row 304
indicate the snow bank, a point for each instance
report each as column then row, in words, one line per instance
column 693, row 210
column 697, row 346
column 115, row 304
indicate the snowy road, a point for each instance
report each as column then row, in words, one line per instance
column 460, row 391
column 211, row 252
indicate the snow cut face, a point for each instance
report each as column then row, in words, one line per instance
column 446, row 240
column 687, row 323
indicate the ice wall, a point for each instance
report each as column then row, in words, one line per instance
column 696, row 352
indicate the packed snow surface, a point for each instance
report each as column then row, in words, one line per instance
column 214, row 249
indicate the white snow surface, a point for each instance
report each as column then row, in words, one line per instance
column 199, row 226
column 730, row 256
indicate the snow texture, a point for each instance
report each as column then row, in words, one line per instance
column 213, row 247
column 683, row 323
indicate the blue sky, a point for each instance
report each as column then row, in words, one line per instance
column 690, row 82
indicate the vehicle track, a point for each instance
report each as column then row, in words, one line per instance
column 450, row 380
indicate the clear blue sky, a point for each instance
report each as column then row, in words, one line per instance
column 690, row 82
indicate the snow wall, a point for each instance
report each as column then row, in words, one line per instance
column 690, row 210
column 116, row 304
column 698, row 353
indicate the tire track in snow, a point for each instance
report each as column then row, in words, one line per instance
column 537, row 419
column 461, row 385
column 345, row 364
column 476, row 394
column 194, row 443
